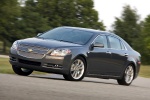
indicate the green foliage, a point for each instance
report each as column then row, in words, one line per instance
column 144, row 41
column 37, row 17
column 9, row 12
column 127, row 25
column 79, row 13
column 17, row 22
column 31, row 22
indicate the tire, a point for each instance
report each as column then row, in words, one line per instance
column 66, row 77
column 77, row 70
column 127, row 77
column 21, row 71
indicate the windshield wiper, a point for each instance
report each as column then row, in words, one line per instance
column 46, row 38
column 67, row 41
column 64, row 41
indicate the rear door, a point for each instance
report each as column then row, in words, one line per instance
column 119, row 56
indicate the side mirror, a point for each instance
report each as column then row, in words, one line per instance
column 100, row 45
column 39, row 34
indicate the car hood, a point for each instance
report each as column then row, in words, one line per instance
column 47, row 43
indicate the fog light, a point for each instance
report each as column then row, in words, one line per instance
column 54, row 66
column 13, row 59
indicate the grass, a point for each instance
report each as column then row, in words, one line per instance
column 5, row 67
column 145, row 71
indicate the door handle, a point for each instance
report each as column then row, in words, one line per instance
column 126, row 54
column 108, row 52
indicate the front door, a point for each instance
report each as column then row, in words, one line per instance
column 99, row 58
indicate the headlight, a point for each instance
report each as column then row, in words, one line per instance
column 15, row 45
column 60, row 52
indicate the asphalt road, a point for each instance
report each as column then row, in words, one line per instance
column 54, row 87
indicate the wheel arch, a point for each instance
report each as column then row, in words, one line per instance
column 130, row 61
column 133, row 64
column 134, row 67
column 83, row 56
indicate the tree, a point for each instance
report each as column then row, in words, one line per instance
column 35, row 16
column 79, row 13
column 128, row 26
column 41, row 15
column 9, row 12
column 31, row 22
column 144, row 41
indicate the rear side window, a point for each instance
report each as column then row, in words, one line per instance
column 102, row 39
column 114, row 43
column 122, row 46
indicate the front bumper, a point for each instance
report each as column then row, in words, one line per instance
column 50, row 64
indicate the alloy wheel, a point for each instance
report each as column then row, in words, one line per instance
column 77, row 69
column 129, row 74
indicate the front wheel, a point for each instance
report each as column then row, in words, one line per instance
column 127, row 77
column 77, row 70
column 21, row 71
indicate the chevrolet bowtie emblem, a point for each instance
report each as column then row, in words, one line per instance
column 30, row 50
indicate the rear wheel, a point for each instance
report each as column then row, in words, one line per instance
column 77, row 70
column 21, row 71
column 127, row 77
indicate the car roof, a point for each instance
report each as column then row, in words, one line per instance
column 88, row 29
column 97, row 32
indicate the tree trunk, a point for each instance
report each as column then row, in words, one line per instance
column 4, row 46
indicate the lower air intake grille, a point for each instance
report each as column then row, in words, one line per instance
column 30, row 62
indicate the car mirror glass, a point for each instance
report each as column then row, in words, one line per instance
column 100, row 45
column 39, row 34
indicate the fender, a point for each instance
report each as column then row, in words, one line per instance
column 132, row 61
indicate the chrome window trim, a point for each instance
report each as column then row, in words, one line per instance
column 124, row 46
column 97, row 37
column 108, row 41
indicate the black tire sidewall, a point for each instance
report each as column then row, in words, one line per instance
column 122, row 81
column 69, row 76
column 18, row 71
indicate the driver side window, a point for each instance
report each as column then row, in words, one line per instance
column 101, row 39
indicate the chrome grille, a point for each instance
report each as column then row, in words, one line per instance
column 32, row 51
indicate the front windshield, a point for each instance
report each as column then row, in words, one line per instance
column 68, row 35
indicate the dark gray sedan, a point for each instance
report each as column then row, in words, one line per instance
column 76, row 53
